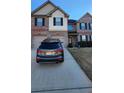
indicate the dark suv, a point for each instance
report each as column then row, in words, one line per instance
column 50, row 50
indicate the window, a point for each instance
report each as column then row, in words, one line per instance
column 83, row 37
column 58, row 21
column 70, row 28
column 39, row 21
column 82, row 26
column 50, row 45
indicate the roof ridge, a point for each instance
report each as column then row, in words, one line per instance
column 52, row 11
column 42, row 5
column 87, row 13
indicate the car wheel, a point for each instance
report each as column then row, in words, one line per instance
column 37, row 61
column 62, row 61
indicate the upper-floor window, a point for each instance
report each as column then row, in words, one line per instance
column 82, row 26
column 58, row 21
column 86, row 26
column 70, row 27
column 39, row 21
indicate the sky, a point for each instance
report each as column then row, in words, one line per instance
column 75, row 8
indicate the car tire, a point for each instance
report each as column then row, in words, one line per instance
column 37, row 61
column 62, row 61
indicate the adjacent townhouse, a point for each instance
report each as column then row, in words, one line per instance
column 84, row 28
column 80, row 30
column 49, row 21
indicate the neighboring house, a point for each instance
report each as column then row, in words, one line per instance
column 48, row 20
column 84, row 28
column 72, row 32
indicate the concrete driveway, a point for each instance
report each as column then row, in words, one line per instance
column 65, row 77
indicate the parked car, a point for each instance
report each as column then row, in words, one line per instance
column 50, row 50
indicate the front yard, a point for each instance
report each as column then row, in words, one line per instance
column 83, row 56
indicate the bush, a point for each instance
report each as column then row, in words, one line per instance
column 85, row 43
column 70, row 45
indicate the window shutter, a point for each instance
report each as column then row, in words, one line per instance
column 43, row 22
column 86, row 26
column 61, row 21
column 90, row 38
column 80, row 37
column 35, row 21
column 54, row 21
column 80, row 26
column 86, row 37
column 89, row 27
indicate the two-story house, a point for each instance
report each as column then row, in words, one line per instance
column 84, row 28
column 49, row 21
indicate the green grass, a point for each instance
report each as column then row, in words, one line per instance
column 83, row 56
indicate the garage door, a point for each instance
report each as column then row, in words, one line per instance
column 36, row 41
column 62, row 39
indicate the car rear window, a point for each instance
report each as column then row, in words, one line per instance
column 49, row 45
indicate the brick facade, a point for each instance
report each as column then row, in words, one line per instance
column 86, row 32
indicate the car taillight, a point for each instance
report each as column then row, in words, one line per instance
column 40, row 52
column 59, row 51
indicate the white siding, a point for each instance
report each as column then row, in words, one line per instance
column 45, row 10
column 58, row 13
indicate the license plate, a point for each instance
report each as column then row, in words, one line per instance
column 49, row 53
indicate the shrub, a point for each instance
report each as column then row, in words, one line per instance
column 70, row 45
column 85, row 43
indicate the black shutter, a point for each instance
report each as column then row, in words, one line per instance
column 80, row 26
column 80, row 37
column 35, row 21
column 61, row 21
column 89, row 26
column 90, row 38
column 86, row 26
column 54, row 21
column 86, row 37
column 43, row 22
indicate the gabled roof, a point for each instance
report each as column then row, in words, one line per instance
column 56, row 8
column 85, row 16
column 41, row 6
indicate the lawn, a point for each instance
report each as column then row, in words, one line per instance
column 83, row 56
